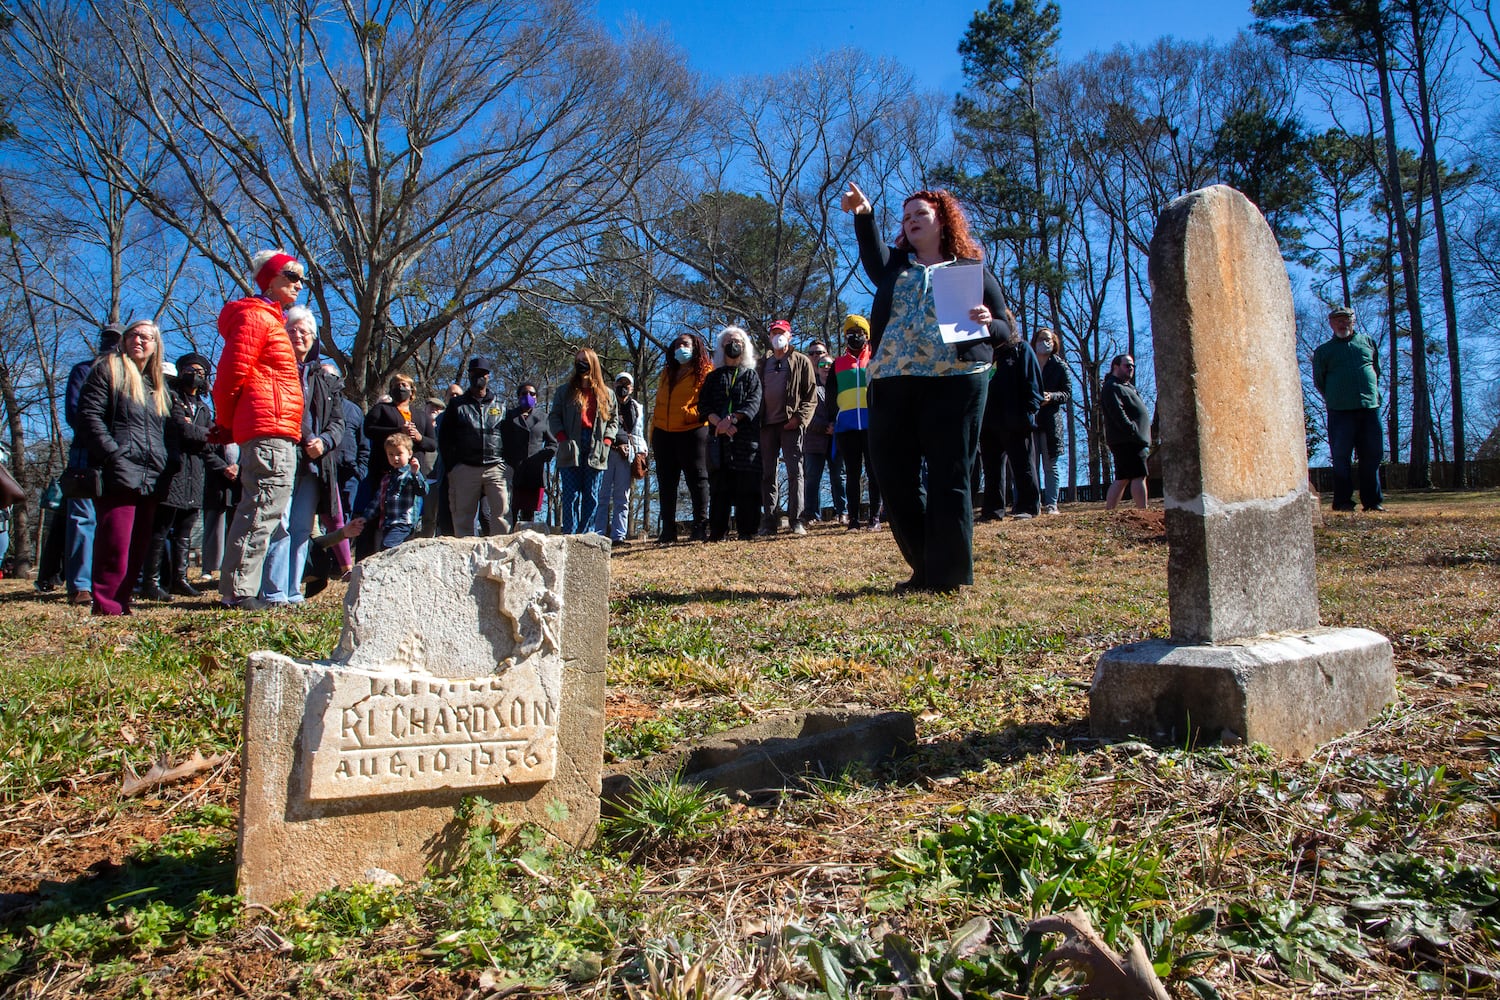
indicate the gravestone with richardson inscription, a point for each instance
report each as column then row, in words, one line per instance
column 465, row 667
column 1246, row 657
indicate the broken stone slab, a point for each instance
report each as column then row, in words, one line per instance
column 775, row 752
column 1292, row 691
column 1239, row 511
column 466, row 667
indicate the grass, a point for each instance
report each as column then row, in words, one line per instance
column 1367, row 870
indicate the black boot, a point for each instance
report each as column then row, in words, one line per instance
column 150, row 580
column 180, row 585
column 700, row 532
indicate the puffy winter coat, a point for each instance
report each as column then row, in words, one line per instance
column 257, row 392
column 125, row 439
column 187, row 430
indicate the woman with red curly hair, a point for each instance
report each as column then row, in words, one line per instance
column 926, row 397
column 679, row 435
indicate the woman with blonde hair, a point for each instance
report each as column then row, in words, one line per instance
column 123, row 412
column 584, row 421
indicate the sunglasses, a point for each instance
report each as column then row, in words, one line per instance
column 294, row 277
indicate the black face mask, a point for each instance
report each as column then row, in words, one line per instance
column 581, row 367
column 733, row 349
column 192, row 382
column 856, row 344
column 401, row 393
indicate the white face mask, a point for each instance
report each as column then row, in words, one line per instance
column 1043, row 347
column 780, row 341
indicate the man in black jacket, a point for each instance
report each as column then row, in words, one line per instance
column 529, row 446
column 1127, row 431
column 472, row 447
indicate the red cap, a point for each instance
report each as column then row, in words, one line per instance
column 271, row 268
column 781, row 326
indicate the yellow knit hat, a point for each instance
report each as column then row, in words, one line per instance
column 854, row 321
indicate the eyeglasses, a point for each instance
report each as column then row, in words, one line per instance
column 294, row 277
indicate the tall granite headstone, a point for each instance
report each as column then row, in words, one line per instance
column 1246, row 655
column 465, row 667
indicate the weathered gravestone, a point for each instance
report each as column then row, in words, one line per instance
column 1246, row 656
column 466, row 667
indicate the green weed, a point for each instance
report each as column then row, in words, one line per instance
column 665, row 809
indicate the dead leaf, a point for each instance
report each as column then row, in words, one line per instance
column 161, row 774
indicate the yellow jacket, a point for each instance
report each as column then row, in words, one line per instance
column 677, row 405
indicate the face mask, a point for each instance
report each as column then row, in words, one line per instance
column 683, row 355
column 622, row 389
column 856, row 343
column 581, row 367
column 1043, row 347
column 401, row 393
column 733, row 349
column 528, row 399
column 780, row 341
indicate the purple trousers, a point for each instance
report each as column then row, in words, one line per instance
column 122, row 533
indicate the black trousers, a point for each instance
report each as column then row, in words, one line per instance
column 995, row 446
column 1355, row 434
column 933, row 421
column 681, row 454
column 737, row 488
column 174, row 524
column 854, row 452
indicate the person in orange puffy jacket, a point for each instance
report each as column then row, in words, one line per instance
column 258, row 401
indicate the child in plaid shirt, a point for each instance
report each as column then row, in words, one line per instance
column 397, row 507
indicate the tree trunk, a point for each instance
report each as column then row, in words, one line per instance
column 1419, row 473
column 20, row 514
column 1450, row 306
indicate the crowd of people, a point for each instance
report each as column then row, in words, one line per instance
column 293, row 482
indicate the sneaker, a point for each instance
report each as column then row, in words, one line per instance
column 844, row 519
column 1023, row 516
column 766, row 531
column 1051, row 508
column 798, row 528
column 874, row 525
column 1378, row 507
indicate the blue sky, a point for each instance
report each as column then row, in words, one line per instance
column 732, row 39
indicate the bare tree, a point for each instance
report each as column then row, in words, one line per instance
column 364, row 137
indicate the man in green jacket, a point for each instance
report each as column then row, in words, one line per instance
column 1346, row 371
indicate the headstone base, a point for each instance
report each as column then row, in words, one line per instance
column 1292, row 691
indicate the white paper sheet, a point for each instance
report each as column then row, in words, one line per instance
column 955, row 290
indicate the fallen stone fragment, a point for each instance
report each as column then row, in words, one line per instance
column 1108, row 976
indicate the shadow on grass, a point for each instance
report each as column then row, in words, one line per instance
column 710, row 594
column 962, row 752
column 110, row 889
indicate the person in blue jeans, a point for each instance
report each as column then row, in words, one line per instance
column 1051, row 420
column 613, row 517
column 819, row 452
column 584, row 421
column 79, row 559
column 396, row 509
